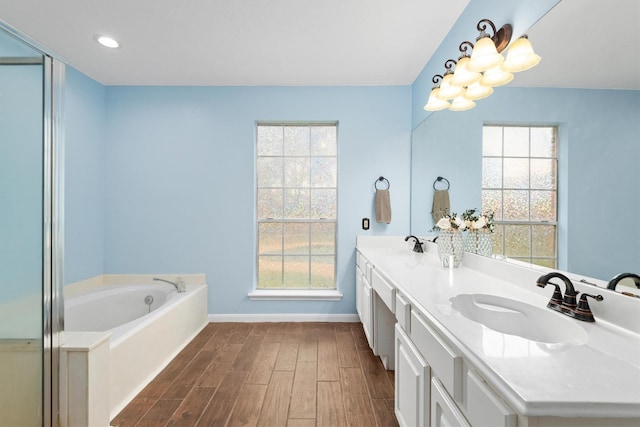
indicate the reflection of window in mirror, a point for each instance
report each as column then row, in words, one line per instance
column 519, row 184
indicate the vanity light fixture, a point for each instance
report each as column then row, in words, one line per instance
column 106, row 41
column 435, row 103
column 477, row 74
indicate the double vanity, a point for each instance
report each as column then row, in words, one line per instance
column 477, row 345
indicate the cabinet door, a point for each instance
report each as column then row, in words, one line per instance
column 367, row 311
column 444, row 412
column 359, row 277
column 412, row 384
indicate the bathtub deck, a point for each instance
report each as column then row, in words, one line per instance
column 269, row 374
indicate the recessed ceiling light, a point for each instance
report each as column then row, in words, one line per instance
column 107, row 41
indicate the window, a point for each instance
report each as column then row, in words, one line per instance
column 297, row 181
column 519, row 184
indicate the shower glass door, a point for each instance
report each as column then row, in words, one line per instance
column 23, row 271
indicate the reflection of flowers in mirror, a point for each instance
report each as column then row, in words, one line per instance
column 475, row 221
column 451, row 222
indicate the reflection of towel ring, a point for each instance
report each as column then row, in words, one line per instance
column 382, row 178
column 438, row 179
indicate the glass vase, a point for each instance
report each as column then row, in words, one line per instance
column 479, row 242
column 450, row 243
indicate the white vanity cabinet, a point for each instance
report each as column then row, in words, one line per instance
column 364, row 296
column 412, row 387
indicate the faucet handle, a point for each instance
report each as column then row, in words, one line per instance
column 583, row 312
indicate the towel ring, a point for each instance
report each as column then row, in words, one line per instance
column 381, row 179
column 438, row 179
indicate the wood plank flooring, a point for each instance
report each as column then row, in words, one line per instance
column 270, row 375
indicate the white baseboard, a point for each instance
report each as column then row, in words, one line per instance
column 319, row 317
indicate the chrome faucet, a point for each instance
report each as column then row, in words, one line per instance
column 567, row 305
column 417, row 247
column 613, row 282
column 179, row 283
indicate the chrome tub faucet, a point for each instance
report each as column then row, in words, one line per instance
column 179, row 284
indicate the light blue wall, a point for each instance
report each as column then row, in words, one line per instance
column 85, row 136
column 599, row 154
column 21, row 181
column 521, row 14
column 180, row 179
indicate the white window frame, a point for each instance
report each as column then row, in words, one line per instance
column 530, row 223
column 299, row 294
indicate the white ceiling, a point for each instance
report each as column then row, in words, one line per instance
column 240, row 42
column 584, row 44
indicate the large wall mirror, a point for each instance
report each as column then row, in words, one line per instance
column 588, row 87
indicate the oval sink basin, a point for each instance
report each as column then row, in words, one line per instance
column 518, row 318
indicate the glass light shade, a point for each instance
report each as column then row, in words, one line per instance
column 478, row 91
column 447, row 89
column 521, row 56
column 462, row 76
column 496, row 76
column 435, row 103
column 462, row 104
column 484, row 55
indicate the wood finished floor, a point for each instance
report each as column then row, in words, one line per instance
column 272, row 375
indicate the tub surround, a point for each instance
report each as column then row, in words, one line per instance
column 594, row 380
column 113, row 371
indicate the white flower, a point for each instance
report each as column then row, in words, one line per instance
column 444, row 224
column 480, row 222
column 460, row 223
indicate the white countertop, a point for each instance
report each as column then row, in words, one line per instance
column 600, row 378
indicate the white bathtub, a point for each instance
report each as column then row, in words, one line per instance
column 143, row 338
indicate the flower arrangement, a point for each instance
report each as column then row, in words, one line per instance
column 451, row 222
column 474, row 221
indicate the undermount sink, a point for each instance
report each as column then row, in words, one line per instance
column 513, row 317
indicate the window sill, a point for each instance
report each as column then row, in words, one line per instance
column 295, row 295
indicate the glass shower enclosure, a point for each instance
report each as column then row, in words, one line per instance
column 30, row 315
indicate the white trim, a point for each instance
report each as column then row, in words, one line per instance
column 295, row 295
column 257, row 317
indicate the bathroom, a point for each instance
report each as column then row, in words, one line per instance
column 160, row 180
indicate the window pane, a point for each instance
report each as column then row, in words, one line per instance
column 269, row 239
column 492, row 141
column 517, row 241
column 270, row 203
column 550, row 263
column 296, row 171
column 543, row 142
column 323, row 237
column 516, row 205
column 492, row 202
column 322, row 272
column 323, row 141
column 323, row 204
column 296, row 203
column 270, row 141
column 296, row 140
column 516, row 142
column 270, row 271
column 491, row 173
column 324, row 172
column 296, row 272
column 498, row 233
column 270, row 171
column 296, row 238
column 544, row 240
column 543, row 173
column 543, row 206
column 516, row 173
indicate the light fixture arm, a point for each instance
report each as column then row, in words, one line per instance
column 501, row 37
column 463, row 47
column 448, row 65
column 436, row 80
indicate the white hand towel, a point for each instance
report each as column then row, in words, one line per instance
column 383, row 206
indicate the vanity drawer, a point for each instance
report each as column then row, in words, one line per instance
column 444, row 412
column 443, row 358
column 364, row 266
column 403, row 312
column 385, row 291
column 484, row 408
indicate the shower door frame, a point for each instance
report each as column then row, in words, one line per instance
column 52, row 222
